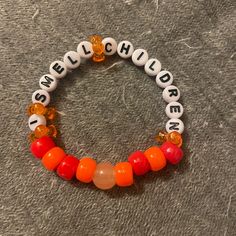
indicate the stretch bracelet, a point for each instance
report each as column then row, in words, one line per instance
column 104, row 175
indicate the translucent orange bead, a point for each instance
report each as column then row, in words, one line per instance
column 32, row 137
column 173, row 137
column 41, row 131
column 52, row 131
column 161, row 137
column 51, row 113
column 98, row 48
column 176, row 138
column 36, row 108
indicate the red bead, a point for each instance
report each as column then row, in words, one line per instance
column 67, row 168
column 41, row 146
column 172, row 153
column 139, row 163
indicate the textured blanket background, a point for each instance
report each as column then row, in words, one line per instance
column 108, row 113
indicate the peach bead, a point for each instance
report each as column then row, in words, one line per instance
column 124, row 174
column 104, row 176
column 53, row 158
column 86, row 169
column 156, row 158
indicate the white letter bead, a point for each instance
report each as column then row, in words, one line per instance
column 41, row 96
column 175, row 125
column 171, row 94
column 164, row 79
column 140, row 57
column 36, row 120
column 110, row 46
column 72, row 59
column 85, row 49
column 152, row 67
column 174, row 110
column 48, row 83
column 125, row 49
column 58, row 69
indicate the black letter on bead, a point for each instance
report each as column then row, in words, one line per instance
column 108, row 50
column 126, row 49
column 85, row 51
column 175, row 109
column 58, row 68
column 141, row 54
column 174, row 126
column 72, row 61
column 173, row 92
column 47, row 82
column 151, row 66
column 33, row 122
column 165, row 78
column 40, row 97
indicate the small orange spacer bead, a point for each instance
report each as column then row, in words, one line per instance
column 161, row 137
column 86, row 169
column 156, row 158
column 41, row 130
column 32, row 137
column 52, row 131
column 53, row 158
column 98, row 48
column 124, row 174
column 36, row 108
column 51, row 113
column 176, row 138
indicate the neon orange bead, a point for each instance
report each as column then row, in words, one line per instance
column 41, row 131
column 86, row 169
column 124, row 174
column 175, row 138
column 98, row 48
column 156, row 158
column 52, row 131
column 53, row 158
column 36, row 108
column 51, row 113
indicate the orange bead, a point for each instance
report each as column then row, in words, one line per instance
column 156, row 158
column 98, row 48
column 176, row 138
column 86, row 169
column 51, row 113
column 36, row 108
column 52, row 131
column 41, row 130
column 161, row 137
column 53, row 158
column 124, row 174
column 32, row 137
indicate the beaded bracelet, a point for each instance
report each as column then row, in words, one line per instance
column 86, row 170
